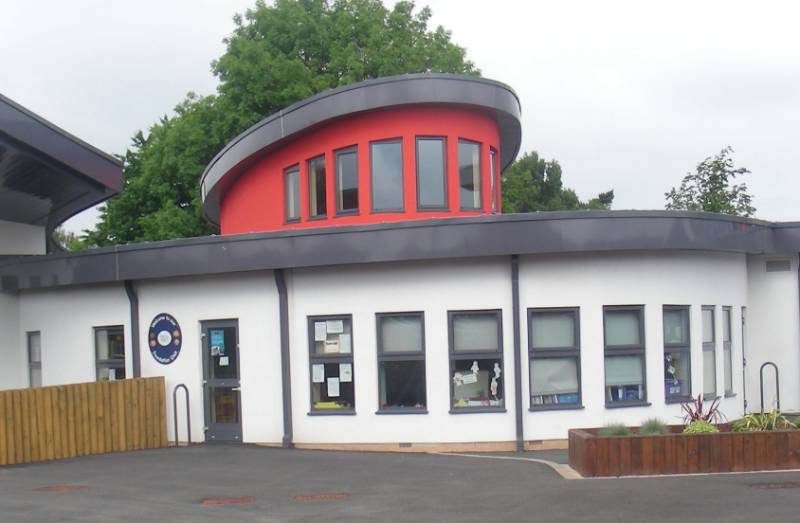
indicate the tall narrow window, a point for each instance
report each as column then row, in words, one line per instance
column 331, row 357
column 494, row 179
column 624, row 355
column 386, row 166
column 476, row 360
column 726, row 350
column 347, row 181
column 709, row 354
column 35, row 359
column 677, row 359
column 109, row 346
column 469, row 175
column 317, row 206
column 401, row 362
column 291, row 183
column 431, row 174
column 554, row 351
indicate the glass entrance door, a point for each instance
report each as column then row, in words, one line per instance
column 223, row 411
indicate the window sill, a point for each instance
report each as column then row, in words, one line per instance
column 478, row 410
column 544, row 408
column 433, row 209
column 342, row 412
column 317, row 218
column 342, row 214
column 678, row 399
column 626, row 404
column 388, row 211
column 385, row 412
column 710, row 397
column 730, row 394
column 292, row 221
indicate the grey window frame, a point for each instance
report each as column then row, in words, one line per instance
column 402, row 356
column 480, row 175
column 556, row 353
column 31, row 363
column 626, row 350
column 331, row 358
column 495, row 182
column 115, row 363
column 292, row 170
column 727, row 349
column 312, row 216
column 350, row 149
column 402, row 207
column 684, row 348
column 454, row 356
column 712, row 348
column 446, row 204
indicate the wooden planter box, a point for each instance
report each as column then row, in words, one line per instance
column 677, row 453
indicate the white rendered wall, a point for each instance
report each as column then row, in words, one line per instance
column 14, row 369
column 21, row 238
column 433, row 287
column 773, row 333
column 250, row 298
column 66, row 318
column 653, row 280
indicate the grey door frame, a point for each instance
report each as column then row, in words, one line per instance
column 221, row 432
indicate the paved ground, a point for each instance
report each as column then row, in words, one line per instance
column 168, row 486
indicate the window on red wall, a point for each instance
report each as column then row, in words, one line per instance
column 495, row 181
column 316, row 188
column 292, row 190
column 386, row 166
column 347, row 181
column 469, row 175
column 431, row 179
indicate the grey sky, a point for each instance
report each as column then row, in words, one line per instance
column 625, row 95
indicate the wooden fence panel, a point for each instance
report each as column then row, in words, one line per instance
column 65, row 421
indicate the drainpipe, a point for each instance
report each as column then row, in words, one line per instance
column 133, row 299
column 517, row 356
column 286, row 379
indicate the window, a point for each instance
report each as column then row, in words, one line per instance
column 677, row 354
column 331, row 348
column 709, row 356
column 35, row 359
column 726, row 350
column 624, row 355
column 431, row 169
column 476, row 360
column 401, row 362
column 386, row 165
column 494, row 181
column 109, row 347
column 291, row 179
column 469, row 175
column 554, row 351
column 347, row 181
column 317, row 207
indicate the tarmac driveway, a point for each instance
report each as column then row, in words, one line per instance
column 274, row 485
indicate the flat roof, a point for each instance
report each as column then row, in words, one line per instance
column 391, row 91
column 483, row 236
column 46, row 173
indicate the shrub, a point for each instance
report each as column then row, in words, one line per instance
column 700, row 427
column 653, row 427
column 614, row 430
column 797, row 422
column 696, row 411
column 772, row 420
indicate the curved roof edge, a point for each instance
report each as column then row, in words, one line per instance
column 389, row 91
column 501, row 235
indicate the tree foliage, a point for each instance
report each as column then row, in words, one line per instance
column 534, row 184
column 710, row 188
column 277, row 55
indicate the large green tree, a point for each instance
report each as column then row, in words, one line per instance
column 710, row 188
column 534, row 184
column 277, row 55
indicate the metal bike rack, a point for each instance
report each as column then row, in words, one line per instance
column 777, row 384
column 175, row 412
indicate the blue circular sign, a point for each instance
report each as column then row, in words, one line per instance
column 165, row 338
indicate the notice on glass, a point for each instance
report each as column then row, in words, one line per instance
column 344, row 343
column 333, row 387
column 217, row 342
column 332, row 347
column 320, row 331
column 335, row 326
column 318, row 373
column 223, row 361
column 346, row 372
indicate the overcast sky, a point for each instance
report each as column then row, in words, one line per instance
column 624, row 95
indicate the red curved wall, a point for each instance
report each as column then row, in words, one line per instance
column 256, row 203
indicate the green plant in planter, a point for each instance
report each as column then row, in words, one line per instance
column 653, row 427
column 700, row 427
column 614, row 430
column 772, row 420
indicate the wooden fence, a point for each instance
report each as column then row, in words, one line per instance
column 66, row 421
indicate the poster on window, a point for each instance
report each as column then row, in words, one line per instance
column 345, row 372
column 217, row 342
column 318, row 373
column 320, row 331
column 344, row 343
column 335, row 326
column 333, row 387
